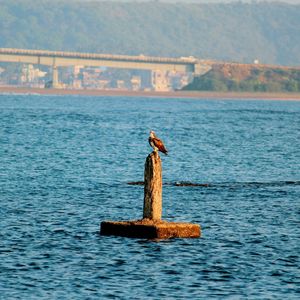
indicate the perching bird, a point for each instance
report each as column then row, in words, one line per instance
column 156, row 143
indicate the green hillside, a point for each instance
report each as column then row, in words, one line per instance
column 247, row 78
column 269, row 32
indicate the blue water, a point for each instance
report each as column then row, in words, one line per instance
column 65, row 165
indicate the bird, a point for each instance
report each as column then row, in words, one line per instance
column 156, row 143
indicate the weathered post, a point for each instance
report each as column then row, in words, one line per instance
column 151, row 226
column 153, row 187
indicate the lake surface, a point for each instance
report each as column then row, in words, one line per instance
column 64, row 167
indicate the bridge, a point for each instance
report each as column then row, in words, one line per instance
column 57, row 59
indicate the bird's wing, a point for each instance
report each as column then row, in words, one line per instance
column 159, row 145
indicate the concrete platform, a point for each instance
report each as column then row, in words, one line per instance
column 150, row 229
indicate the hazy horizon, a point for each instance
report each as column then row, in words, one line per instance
column 262, row 31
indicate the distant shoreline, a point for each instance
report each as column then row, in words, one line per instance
column 172, row 94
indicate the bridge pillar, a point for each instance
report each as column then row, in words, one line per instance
column 55, row 83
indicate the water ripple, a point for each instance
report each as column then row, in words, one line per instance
column 65, row 164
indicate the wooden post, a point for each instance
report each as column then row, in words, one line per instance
column 153, row 187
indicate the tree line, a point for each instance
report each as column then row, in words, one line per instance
column 238, row 31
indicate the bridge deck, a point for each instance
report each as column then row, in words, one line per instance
column 96, row 56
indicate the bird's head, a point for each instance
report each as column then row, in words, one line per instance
column 152, row 134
